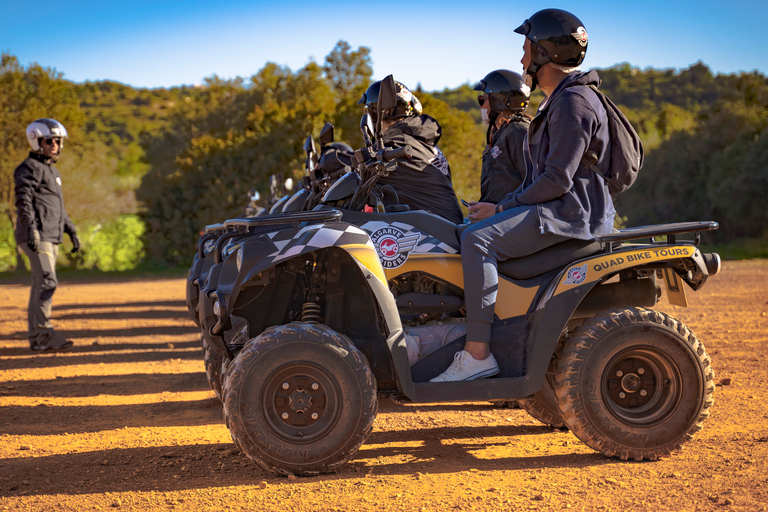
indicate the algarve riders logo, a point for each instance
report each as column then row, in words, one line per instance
column 581, row 36
column 576, row 275
column 393, row 246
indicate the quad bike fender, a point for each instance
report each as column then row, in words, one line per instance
column 391, row 318
column 686, row 260
column 197, row 278
column 248, row 262
column 206, row 313
column 581, row 281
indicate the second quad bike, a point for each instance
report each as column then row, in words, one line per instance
column 335, row 309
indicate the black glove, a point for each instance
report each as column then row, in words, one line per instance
column 75, row 242
column 33, row 239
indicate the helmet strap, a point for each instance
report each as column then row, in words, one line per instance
column 539, row 57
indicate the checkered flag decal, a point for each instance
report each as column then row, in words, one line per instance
column 427, row 244
column 289, row 243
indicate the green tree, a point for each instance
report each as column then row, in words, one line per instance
column 231, row 138
column 462, row 143
column 350, row 74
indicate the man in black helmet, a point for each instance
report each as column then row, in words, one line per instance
column 503, row 102
column 422, row 182
column 41, row 221
column 560, row 199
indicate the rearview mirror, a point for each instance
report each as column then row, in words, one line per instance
column 326, row 135
column 366, row 126
column 309, row 145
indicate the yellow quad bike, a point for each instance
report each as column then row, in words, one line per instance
column 343, row 308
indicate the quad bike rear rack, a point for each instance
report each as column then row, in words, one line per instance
column 668, row 230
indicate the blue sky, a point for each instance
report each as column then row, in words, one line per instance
column 436, row 43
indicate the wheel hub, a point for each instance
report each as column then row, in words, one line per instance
column 299, row 401
column 640, row 386
column 631, row 383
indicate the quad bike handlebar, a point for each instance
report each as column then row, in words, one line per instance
column 387, row 155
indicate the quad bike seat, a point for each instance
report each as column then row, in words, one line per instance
column 556, row 256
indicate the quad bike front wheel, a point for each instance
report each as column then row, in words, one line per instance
column 300, row 399
column 634, row 384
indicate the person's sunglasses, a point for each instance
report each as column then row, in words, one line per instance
column 51, row 141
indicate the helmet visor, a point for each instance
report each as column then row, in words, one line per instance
column 525, row 28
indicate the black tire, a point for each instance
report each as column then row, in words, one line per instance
column 300, row 399
column 542, row 405
column 634, row 384
column 223, row 372
column 213, row 361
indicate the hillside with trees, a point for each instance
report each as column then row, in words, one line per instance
column 145, row 169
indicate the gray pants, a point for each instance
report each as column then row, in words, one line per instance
column 511, row 234
column 44, row 282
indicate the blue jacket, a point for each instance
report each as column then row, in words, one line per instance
column 571, row 200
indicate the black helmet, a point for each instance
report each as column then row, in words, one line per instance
column 338, row 146
column 556, row 36
column 407, row 103
column 506, row 90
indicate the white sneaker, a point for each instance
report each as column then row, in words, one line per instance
column 466, row 367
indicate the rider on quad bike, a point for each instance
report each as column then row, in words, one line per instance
column 423, row 181
column 560, row 200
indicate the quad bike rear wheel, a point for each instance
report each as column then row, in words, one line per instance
column 634, row 384
column 300, row 399
column 212, row 362
column 542, row 405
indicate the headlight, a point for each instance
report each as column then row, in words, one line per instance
column 216, row 308
column 239, row 259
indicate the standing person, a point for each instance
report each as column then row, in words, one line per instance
column 423, row 182
column 560, row 199
column 41, row 221
column 502, row 105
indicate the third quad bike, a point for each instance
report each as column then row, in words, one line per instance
column 338, row 308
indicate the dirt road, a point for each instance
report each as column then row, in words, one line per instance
column 126, row 421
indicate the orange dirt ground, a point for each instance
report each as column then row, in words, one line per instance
column 126, row 420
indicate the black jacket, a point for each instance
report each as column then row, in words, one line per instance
column 39, row 200
column 424, row 181
column 503, row 167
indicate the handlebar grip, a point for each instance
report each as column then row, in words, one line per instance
column 404, row 152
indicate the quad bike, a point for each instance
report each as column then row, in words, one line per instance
column 321, row 174
column 342, row 308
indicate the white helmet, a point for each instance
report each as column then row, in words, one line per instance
column 44, row 128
